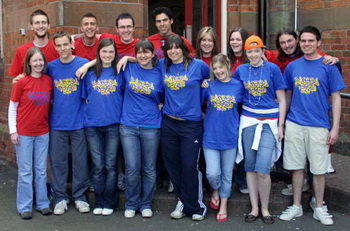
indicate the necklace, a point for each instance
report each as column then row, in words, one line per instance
column 252, row 87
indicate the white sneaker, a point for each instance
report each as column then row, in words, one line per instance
column 60, row 207
column 291, row 212
column 197, row 217
column 313, row 203
column 244, row 191
column 107, row 212
column 82, row 206
column 322, row 215
column 177, row 213
column 289, row 190
column 129, row 213
column 147, row 213
column 97, row 211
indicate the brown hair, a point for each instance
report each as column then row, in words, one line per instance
column 177, row 41
column 32, row 51
column 145, row 44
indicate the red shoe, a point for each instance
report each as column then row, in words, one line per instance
column 214, row 203
column 221, row 217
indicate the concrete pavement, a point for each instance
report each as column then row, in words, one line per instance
column 337, row 198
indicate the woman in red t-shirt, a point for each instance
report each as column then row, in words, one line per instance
column 235, row 50
column 29, row 128
column 207, row 44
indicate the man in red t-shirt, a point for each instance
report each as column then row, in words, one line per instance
column 163, row 18
column 86, row 46
column 40, row 24
column 125, row 40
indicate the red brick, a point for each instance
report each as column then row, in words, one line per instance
column 335, row 4
column 338, row 47
column 338, row 33
column 313, row 5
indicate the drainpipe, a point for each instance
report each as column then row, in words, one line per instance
column 262, row 19
column 295, row 15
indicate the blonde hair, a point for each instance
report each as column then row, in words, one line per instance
column 223, row 60
column 206, row 30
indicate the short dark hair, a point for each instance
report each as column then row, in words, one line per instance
column 32, row 51
column 60, row 34
column 145, row 44
column 286, row 31
column 38, row 12
column 89, row 15
column 162, row 10
column 312, row 30
column 124, row 16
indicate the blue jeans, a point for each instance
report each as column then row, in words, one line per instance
column 219, row 169
column 140, row 146
column 59, row 147
column 103, row 143
column 31, row 153
column 258, row 161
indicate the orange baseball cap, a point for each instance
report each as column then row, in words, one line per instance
column 253, row 39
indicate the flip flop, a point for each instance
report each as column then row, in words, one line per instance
column 221, row 217
column 214, row 203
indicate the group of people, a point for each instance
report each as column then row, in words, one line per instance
column 150, row 91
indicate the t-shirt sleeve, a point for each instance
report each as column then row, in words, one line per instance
column 288, row 77
column 84, row 86
column 205, row 70
column 236, row 75
column 336, row 80
column 16, row 66
column 204, row 94
column 278, row 79
column 240, row 92
column 17, row 91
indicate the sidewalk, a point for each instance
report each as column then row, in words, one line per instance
column 337, row 198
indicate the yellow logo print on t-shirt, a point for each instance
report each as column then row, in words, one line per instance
column 67, row 86
column 106, row 86
column 306, row 85
column 256, row 87
column 222, row 102
column 175, row 82
column 142, row 87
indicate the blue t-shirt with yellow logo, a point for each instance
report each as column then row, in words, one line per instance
column 312, row 82
column 143, row 92
column 182, row 89
column 260, row 84
column 68, row 107
column 221, row 120
column 104, row 97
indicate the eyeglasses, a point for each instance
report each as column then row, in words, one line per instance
column 129, row 27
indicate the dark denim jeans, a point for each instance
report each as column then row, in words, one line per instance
column 140, row 146
column 103, row 143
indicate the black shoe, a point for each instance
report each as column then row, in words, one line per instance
column 26, row 215
column 46, row 211
column 250, row 218
column 268, row 220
